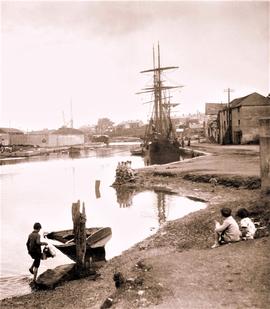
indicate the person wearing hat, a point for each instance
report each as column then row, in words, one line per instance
column 34, row 249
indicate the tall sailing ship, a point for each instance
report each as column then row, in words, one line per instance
column 160, row 144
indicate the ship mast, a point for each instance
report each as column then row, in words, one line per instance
column 160, row 124
column 159, row 93
column 155, row 92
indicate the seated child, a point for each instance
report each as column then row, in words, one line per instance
column 228, row 231
column 247, row 226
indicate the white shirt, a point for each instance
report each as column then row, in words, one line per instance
column 249, row 226
column 230, row 229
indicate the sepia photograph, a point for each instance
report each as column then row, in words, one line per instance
column 135, row 154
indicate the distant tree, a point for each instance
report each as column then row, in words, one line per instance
column 103, row 125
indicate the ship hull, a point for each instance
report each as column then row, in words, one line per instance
column 162, row 152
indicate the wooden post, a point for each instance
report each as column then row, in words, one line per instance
column 97, row 185
column 79, row 220
column 75, row 214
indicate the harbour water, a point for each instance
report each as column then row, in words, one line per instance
column 44, row 191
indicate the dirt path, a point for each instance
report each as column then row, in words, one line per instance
column 175, row 268
column 228, row 277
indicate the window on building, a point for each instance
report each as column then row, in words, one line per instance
column 239, row 122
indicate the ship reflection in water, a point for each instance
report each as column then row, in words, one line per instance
column 166, row 205
column 161, row 207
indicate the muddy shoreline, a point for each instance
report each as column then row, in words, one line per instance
column 175, row 267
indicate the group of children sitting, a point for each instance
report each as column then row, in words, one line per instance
column 229, row 231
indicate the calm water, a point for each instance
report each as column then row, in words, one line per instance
column 45, row 190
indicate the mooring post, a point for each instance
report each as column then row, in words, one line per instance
column 97, row 185
column 79, row 220
column 265, row 154
column 75, row 214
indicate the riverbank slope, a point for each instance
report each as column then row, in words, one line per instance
column 176, row 268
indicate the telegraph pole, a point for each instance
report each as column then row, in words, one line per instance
column 71, row 114
column 229, row 129
column 229, row 90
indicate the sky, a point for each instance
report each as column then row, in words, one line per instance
column 83, row 58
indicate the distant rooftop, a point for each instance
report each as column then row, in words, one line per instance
column 67, row 131
column 10, row 131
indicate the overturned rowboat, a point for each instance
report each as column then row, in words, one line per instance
column 96, row 239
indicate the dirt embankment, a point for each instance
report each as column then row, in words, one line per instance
column 176, row 268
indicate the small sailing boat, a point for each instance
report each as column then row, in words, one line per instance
column 160, row 144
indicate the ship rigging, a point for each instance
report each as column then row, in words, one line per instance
column 160, row 143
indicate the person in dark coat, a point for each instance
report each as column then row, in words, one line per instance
column 182, row 143
column 34, row 249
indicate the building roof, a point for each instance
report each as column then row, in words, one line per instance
column 44, row 131
column 10, row 131
column 213, row 108
column 67, row 131
column 253, row 99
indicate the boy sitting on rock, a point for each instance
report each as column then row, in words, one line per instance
column 228, row 231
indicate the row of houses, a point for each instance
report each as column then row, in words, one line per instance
column 233, row 123
column 56, row 138
column 238, row 121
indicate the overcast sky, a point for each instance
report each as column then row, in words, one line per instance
column 91, row 53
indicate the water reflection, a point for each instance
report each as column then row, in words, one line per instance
column 161, row 201
column 161, row 207
column 124, row 196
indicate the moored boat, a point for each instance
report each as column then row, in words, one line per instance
column 137, row 151
column 162, row 152
column 74, row 150
column 96, row 239
column 160, row 141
